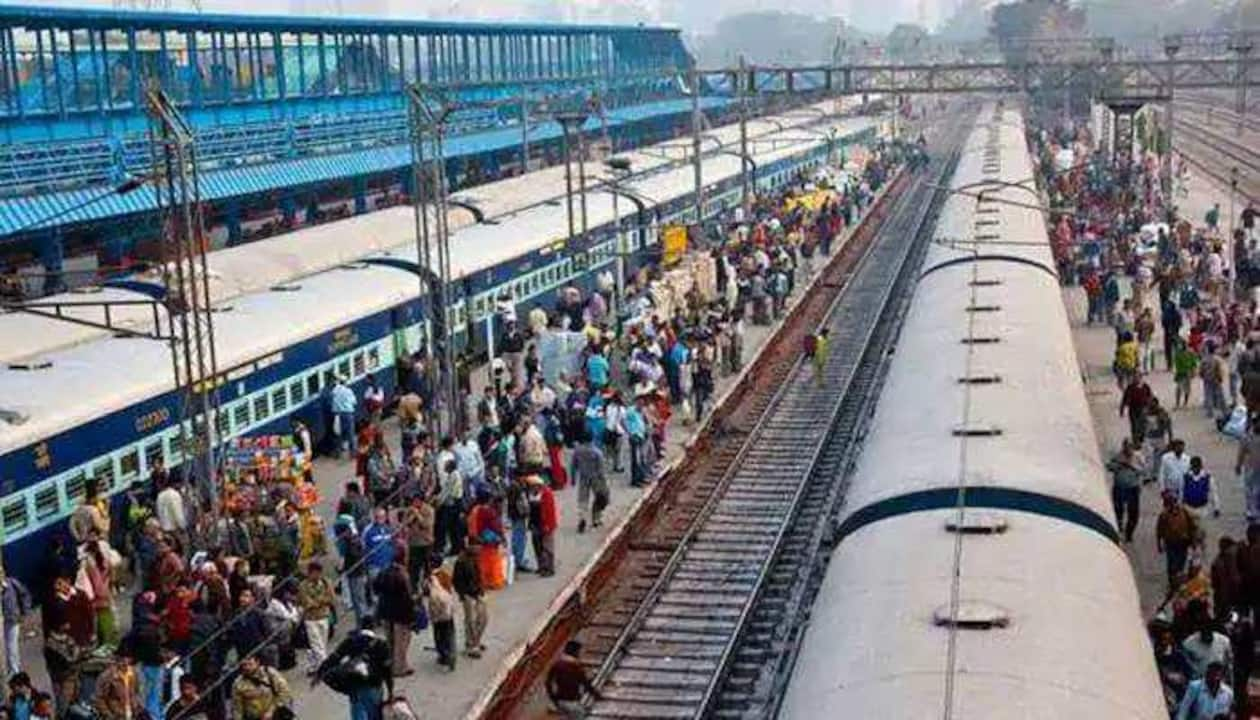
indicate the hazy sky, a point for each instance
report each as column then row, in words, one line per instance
column 692, row 15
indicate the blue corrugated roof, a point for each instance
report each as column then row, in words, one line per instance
column 44, row 211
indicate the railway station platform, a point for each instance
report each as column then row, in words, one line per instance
column 1094, row 347
column 515, row 612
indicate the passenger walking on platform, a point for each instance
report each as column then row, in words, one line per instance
column 419, row 521
column 259, row 691
column 1159, row 436
column 1136, row 400
column 1198, row 490
column 441, row 602
column 1205, row 648
column 1213, row 372
column 396, row 611
column 1170, row 322
column 567, row 681
column 467, row 582
column 1208, row 698
column 1127, row 358
column 450, row 509
column 342, row 402
column 367, row 677
column 1247, row 466
column 316, row 599
column 353, row 567
column 592, row 483
column 1175, row 533
column 16, row 601
column 1144, row 328
column 378, row 548
column 171, row 513
column 544, row 518
column 518, row 518
column 1227, row 591
column 1173, row 466
column 1126, row 487
column 1185, row 367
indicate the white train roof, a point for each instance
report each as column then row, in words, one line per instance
column 1073, row 645
column 876, row 645
column 90, row 379
column 1038, row 404
column 259, row 265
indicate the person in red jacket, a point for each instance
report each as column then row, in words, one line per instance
column 544, row 518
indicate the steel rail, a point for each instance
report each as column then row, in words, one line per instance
column 776, row 493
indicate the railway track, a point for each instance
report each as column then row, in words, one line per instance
column 1213, row 152
column 703, row 625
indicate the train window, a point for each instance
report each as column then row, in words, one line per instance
column 343, row 368
column 296, row 393
column 15, row 515
column 103, row 474
column 240, row 415
column 279, row 400
column 330, row 377
column 373, row 358
column 129, row 463
column 152, row 454
column 222, row 425
column 261, row 409
column 358, row 364
column 76, row 487
column 174, row 449
column 47, row 502
column 312, row 384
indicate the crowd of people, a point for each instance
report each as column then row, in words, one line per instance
column 151, row 590
column 1179, row 303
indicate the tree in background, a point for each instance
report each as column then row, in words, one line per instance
column 907, row 42
column 773, row 37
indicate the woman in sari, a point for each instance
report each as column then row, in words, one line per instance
column 486, row 530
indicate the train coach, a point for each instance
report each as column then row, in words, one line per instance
column 105, row 410
column 257, row 266
column 978, row 572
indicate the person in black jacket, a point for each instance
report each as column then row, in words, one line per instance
column 249, row 631
column 397, row 610
column 366, row 646
column 206, row 665
column 467, row 581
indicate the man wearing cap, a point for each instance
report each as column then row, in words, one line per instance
column 315, row 598
column 544, row 517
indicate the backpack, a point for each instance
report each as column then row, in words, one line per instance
column 348, row 675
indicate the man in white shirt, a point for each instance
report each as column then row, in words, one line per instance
column 1204, row 649
column 170, row 511
column 1173, row 466
column 1208, row 698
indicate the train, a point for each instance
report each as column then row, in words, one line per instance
column 81, row 403
column 978, row 571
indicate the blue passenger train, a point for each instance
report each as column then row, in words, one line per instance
column 106, row 410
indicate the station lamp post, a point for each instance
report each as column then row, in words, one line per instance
column 620, row 169
column 1233, row 194
column 1172, row 45
column 570, row 121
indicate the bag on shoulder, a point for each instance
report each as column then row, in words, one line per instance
column 347, row 676
column 301, row 640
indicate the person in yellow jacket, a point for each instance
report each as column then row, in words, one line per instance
column 1126, row 360
column 312, row 538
